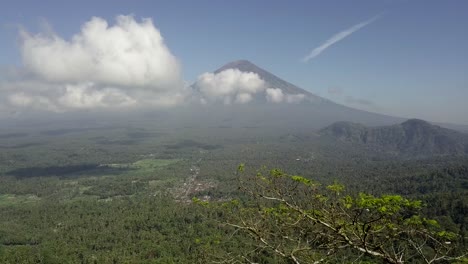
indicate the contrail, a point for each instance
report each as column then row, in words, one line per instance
column 337, row 37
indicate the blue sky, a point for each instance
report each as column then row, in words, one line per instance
column 411, row 61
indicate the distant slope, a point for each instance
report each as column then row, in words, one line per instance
column 412, row 137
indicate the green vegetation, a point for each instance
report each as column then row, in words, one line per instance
column 300, row 221
column 11, row 199
column 122, row 194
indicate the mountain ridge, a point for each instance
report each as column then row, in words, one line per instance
column 413, row 137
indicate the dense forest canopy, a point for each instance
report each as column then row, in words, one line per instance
column 70, row 198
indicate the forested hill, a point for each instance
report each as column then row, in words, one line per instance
column 413, row 137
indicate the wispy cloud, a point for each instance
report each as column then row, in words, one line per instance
column 337, row 37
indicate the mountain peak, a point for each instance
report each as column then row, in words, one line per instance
column 242, row 65
column 237, row 63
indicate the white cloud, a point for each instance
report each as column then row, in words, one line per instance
column 28, row 101
column 234, row 86
column 84, row 96
column 125, row 54
column 336, row 38
column 102, row 66
column 231, row 85
column 59, row 99
column 295, row 98
column 20, row 99
column 274, row 95
column 243, row 98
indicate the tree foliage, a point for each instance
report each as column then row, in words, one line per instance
column 301, row 221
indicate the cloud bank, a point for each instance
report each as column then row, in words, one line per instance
column 234, row 86
column 230, row 86
column 125, row 54
column 103, row 66
column 336, row 38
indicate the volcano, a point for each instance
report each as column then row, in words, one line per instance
column 312, row 112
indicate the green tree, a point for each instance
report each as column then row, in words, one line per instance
column 301, row 221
